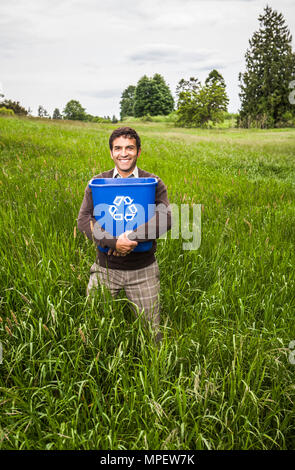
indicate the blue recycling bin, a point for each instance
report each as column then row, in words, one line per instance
column 122, row 204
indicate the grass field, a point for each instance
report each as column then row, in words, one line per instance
column 78, row 375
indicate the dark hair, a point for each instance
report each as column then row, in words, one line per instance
column 125, row 132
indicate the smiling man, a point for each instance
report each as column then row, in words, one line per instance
column 120, row 267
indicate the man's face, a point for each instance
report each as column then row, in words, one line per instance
column 124, row 154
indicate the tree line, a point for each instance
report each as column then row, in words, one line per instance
column 267, row 89
column 73, row 111
column 265, row 86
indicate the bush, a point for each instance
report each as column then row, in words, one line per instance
column 160, row 118
column 288, row 120
column 15, row 106
column 172, row 117
column 147, row 118
column 6, row 112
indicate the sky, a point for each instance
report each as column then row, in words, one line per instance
column 52, row 51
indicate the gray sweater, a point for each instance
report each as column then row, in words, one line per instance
column 157, row 225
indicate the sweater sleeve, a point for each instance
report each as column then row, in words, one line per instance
column 160, row 223
column 88, row 224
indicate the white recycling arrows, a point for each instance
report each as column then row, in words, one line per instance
column 131, row 208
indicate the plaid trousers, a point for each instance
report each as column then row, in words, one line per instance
column 142, row 288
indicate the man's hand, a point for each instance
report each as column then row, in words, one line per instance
column 124, row 246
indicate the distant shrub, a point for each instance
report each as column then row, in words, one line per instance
column 160, row 118
column 15, row 106
column 147, row 118
column 288, row 120
column 97, row 119
column 6, row 112
column 130, row 119
column 168, row 118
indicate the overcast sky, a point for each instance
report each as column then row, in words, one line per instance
column 52, row 51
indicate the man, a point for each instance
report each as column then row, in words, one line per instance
column 120, row 267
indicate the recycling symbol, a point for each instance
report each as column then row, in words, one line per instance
column 120, row 201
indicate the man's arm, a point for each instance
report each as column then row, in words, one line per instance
column 88, row 224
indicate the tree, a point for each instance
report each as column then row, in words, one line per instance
column 191, row 85
column 187, row 93
column 56, row 114
column 163, row 102
column 42, row 112
column 6, row 112
column 127, row 102
column 215, row 77
column 15, row 106
column 153, row 97
column 74, row 111
column 197, row 104
column 142, row 98
column 270, row 67
column 216, row 96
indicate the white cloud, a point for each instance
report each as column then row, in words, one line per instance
column 52, row 51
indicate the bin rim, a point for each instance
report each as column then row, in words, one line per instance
column 123, row 182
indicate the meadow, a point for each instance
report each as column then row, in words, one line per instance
column 86, row 375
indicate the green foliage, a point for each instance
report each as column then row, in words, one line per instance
column 270, row 67
column 56, row 114
column 42, row 112
column 74, row 111
column 127, row 102
column 143, row 97
column 98, row 119
column 169, row 118
column 6, row 112
column 147, row 118
column 85, row 375
column 199, row 105
column 15, row 106
column 152, row 97
column 163, row 100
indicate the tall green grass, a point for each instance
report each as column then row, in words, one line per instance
column 87, row 375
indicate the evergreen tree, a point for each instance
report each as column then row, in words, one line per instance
column 152, row 97
column 270, row 67
column 162, row 102
column 142, row 98
column 127, row 102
